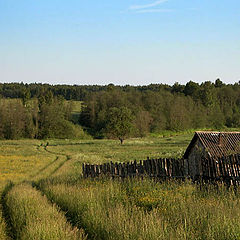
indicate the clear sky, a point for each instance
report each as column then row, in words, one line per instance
column 134, row 42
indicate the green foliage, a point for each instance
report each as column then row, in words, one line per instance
column 54, row 121
column 46, row 118
column 156, row 107
column 119, row 123
column 16, row 121
column 177, row 108
column 26, row 95
column 179, row 114
column 142, row 123
column 192, row 89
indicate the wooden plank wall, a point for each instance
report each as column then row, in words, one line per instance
column 224, row 169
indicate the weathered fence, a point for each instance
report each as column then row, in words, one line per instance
column 225, row 169
column 158, row 168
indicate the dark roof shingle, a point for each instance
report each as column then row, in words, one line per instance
column 217, row 144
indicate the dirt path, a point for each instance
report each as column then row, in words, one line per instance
column 52, row 167
column 46, row 171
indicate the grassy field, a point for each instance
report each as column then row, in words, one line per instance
column 22, row 160
column 34, row 217
column 34, row 159
column 103, row 209
column 146, row 209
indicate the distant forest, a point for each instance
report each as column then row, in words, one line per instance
column 41, row 110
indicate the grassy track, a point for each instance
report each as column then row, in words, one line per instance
column 25, row 159
column 33, row 217
column 20, row 159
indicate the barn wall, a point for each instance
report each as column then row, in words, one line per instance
column 194, row 159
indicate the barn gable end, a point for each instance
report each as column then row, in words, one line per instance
column 212, row 144
column 195, row 154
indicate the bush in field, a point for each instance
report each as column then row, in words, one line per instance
column 33, row 217
column 148, row 210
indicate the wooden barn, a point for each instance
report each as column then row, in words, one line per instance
column 210, row 144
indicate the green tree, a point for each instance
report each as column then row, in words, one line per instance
column 53, row 122
column 26, row 95
column 192, row 89
column 218, row 83
column 179, row 115
column 177, row 88
column 142, row 123
column 119, row 123
column 15, row 121
column 208, row 94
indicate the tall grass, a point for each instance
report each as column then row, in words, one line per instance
column 3, row 235
column 148, row 210
column 33, row 217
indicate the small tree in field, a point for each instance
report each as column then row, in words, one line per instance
column 119, row 123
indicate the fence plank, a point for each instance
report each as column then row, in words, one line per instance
column 224, row 169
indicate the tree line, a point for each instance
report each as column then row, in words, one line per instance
column 153, row 109
column 43, row 117
column 117, row 111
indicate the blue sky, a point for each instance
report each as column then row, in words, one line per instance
column 134, row 42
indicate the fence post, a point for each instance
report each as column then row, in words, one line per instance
column 116, row 169
column 83, row 170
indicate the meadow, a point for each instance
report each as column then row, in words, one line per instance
column 43, row 195
column 145, row 209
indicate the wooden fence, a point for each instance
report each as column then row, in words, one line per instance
column 224, row 169
column 157, row 168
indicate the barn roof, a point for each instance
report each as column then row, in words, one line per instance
column 217, row 144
